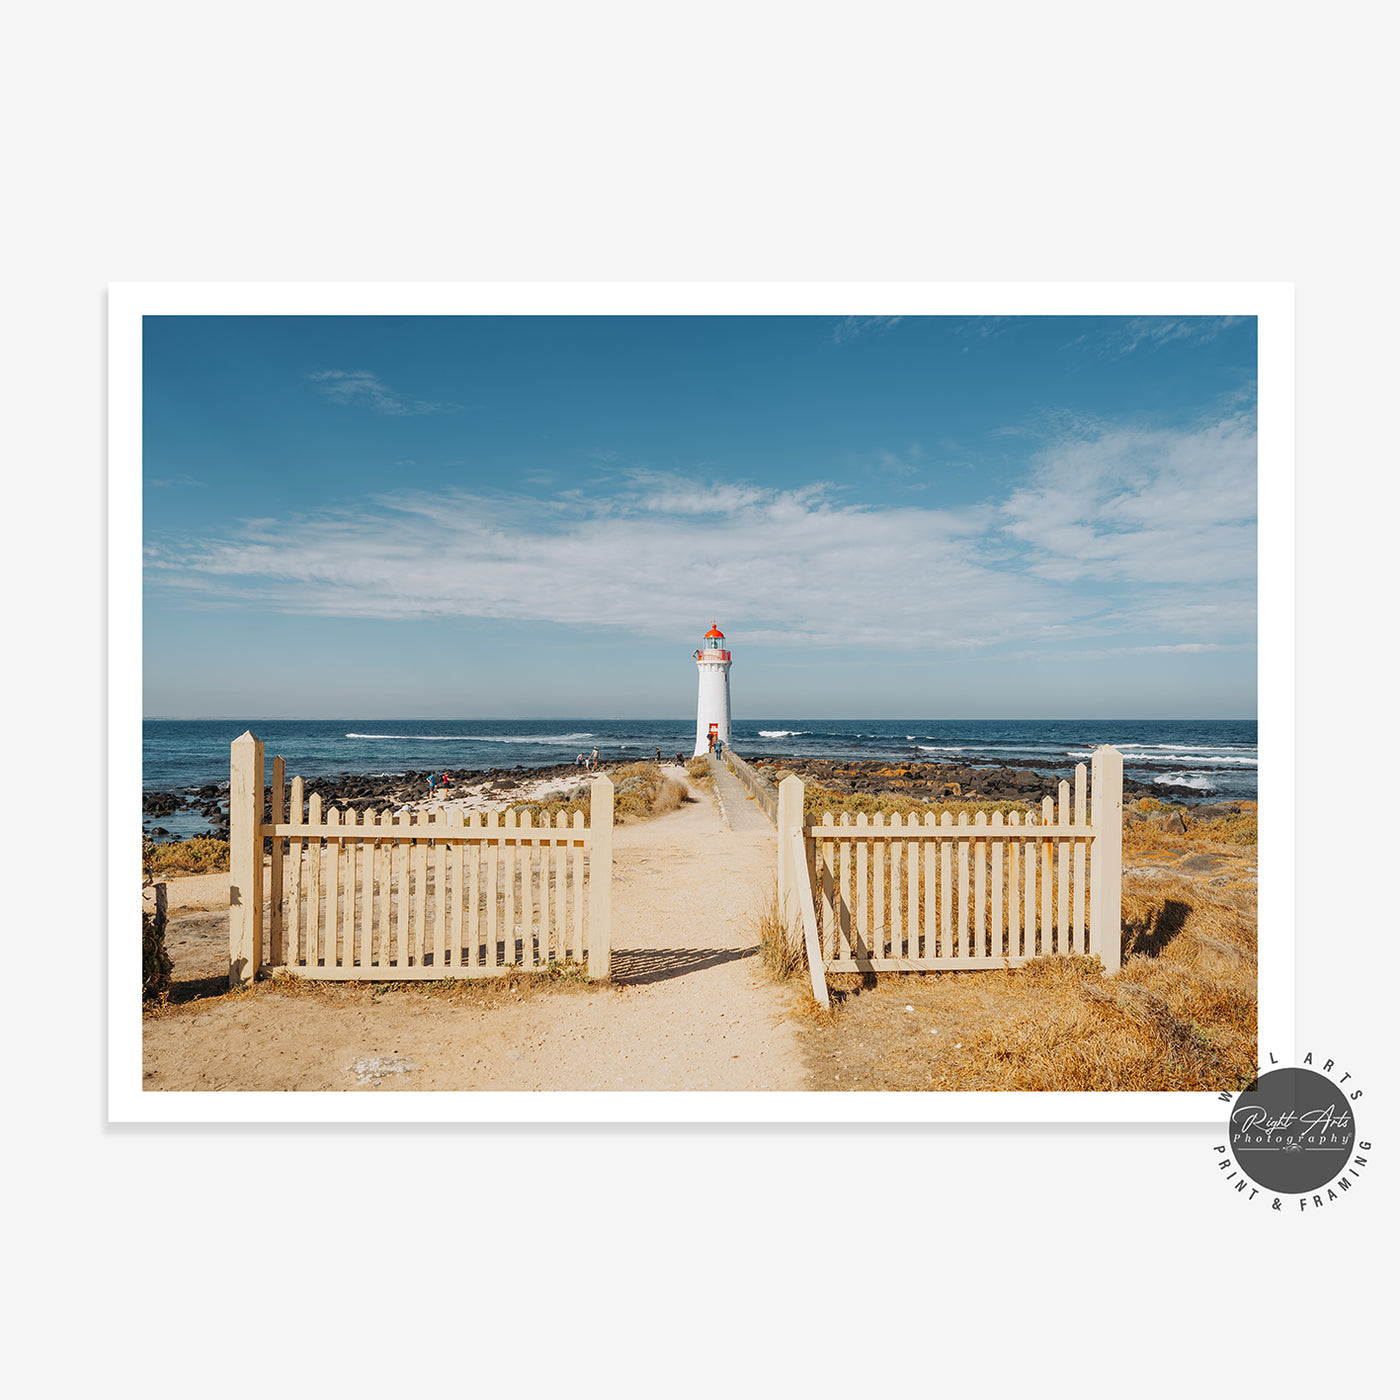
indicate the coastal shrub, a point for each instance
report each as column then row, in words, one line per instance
column 200, row 855
column 698, row 769
column 641, row 790
column 551, row 804
column 818, row 800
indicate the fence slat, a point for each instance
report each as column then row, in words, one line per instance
column 879, row 852
column 994, row 947
column 455, row 935
column 911, row 889
column 510, row 859
column 476, row 866
column 383, row 893
column 334, row 857
column 1078, row 937
column 295, row 846
column 546, row 902
column 1029, row 858
column 576, row 893
column 828, row 848
column 525, row 860
column 1062, row 875
column 275, row 935
column 896, row 892
column 361, row 882
column 314, row 937
column 418, row 891
column 846, row 938
column 960, row 943
column 945, row 891
column 863, row 939
column 439, row 897
column 1014, row 891
column 979, row 891
column 1047, row 880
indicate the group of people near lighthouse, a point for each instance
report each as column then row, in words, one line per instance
column 588, row 762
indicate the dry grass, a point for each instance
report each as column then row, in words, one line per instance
column 698, row 771
column 558, row 979
column 780, row 954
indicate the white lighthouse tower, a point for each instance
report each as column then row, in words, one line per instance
column 712, row 712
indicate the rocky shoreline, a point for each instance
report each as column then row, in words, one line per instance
column 358, row 791
column 927, row 781
column 940, row 781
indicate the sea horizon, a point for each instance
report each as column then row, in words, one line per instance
column 1217, row 759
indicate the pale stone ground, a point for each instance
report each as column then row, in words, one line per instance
column 690, row 1007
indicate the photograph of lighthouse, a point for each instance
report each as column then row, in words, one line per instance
column 859, row 712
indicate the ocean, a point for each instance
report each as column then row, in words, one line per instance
column 1217, row 758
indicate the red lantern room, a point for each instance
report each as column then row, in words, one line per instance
column 712, row 651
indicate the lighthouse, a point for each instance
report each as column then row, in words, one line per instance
column 712, row 712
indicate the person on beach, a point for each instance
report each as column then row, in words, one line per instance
column 680, row 760
column 580, row 762
column 594, row 761
column 432, row 785
column 658, row 755
column 446, row 782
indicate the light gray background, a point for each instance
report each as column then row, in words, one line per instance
column 622, row 142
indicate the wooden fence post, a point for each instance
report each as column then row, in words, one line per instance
column 245, row 809
column 791, row 793
column 1106, row 871
column 600, row 828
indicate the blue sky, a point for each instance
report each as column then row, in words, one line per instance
column 899, row 517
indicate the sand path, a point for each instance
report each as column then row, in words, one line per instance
column 689, row 1008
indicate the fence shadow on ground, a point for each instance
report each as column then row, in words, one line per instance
column 637, row 967
column 1150, row 935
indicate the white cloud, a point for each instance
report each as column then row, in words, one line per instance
column 1152, row 332
column 359, row 386
column 851, row 327
column 1146, row 506
column 1143, row 536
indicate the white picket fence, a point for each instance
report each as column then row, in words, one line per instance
column 408, row 896
column 914, row 894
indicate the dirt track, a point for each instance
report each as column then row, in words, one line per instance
column 689, row 1008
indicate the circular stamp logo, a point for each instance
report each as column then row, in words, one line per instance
column 1293, row 1131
